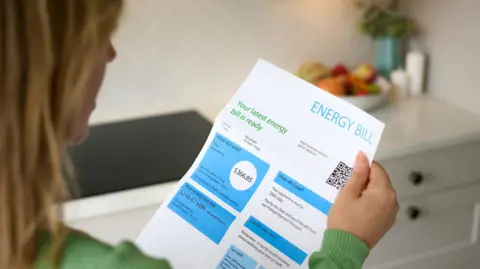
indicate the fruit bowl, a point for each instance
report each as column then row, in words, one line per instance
column 362, row 87
column 367, row 102
column 371, row 101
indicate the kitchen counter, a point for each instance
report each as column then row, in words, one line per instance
column 420, row 124
column 424, row 124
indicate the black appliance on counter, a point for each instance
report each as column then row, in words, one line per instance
column 138, row 153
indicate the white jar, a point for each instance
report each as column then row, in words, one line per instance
column 400, row 81
column 415, row 67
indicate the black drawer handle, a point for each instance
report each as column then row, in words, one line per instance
column 416, row 178
column 413, row 212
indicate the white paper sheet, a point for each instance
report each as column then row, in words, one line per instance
column 260, row 190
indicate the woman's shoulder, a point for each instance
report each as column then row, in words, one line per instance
column 85, row 252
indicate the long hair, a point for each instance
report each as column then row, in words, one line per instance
column 47, row 49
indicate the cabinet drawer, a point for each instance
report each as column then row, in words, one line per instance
column 445, row 221
column 434, row 170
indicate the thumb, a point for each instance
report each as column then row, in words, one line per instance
column 358, row 181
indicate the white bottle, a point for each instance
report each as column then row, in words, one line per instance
column 400, row 81
column 415, row 67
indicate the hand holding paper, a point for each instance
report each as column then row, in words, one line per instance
column 367, row 206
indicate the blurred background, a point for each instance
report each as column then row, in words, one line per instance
column 177, row 54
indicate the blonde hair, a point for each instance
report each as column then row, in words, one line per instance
column 47, row 51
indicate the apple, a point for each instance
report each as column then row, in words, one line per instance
column 339, row 70
column 361, row 92
column 365, row 72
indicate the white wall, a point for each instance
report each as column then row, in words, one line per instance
column 451, row 37
column 178, row 54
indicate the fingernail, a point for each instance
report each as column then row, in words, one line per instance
column 360, row 156
column 360, row 160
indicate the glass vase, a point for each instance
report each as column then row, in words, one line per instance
column 388, row 55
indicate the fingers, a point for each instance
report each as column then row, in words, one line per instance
column 380, row 180
column 379, row 177
column 357, row 183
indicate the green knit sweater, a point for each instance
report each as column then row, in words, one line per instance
column 340, row 250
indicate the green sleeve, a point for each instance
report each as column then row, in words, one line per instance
column 83, row 252
column 340, row 250
column 127, row 255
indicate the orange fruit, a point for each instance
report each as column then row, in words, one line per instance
column 357, row 82
column 332, row 85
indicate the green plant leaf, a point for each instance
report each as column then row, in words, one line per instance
column 377, row 21
column 372, row 13
column 393, row 30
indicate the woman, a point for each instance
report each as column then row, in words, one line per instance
column 52, row 61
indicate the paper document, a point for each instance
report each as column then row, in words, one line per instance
column 259, row 192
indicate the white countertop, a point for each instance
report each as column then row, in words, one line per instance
column 422, row 124
column 412, row 126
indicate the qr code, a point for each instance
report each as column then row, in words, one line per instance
column 340, row 175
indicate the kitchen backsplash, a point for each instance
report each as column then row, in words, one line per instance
column 450, row 34
column 181, row 54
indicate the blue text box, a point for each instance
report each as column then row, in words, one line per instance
column 303, row 192
column 201, row 212
column 276, row 240
column 236, row 258
column 214, row 170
